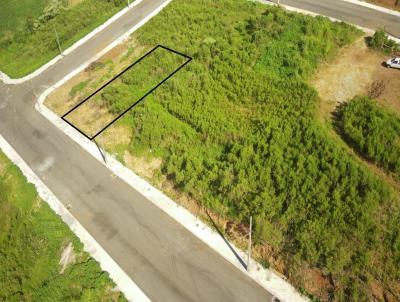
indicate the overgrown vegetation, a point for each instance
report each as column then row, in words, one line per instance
column 380, row 41
column 26, row 49
column 236, row 131
column 32, row 238
column 373, row 131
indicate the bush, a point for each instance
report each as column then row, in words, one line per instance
column 380, row 41
column 373, row 131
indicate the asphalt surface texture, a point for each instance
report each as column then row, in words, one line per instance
column 164, row 259
column 352, row 13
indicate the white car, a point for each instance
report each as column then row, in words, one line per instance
column 393, row 62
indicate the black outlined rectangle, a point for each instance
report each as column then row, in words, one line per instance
column 188, row 59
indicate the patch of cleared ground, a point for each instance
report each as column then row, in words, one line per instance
column 117, row 134
column 356, row 70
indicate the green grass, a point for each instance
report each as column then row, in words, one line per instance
column 32, row 238
column 236, row 130
column 28, row 49
column 13, row 14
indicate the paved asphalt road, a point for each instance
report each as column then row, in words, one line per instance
column 348, row 12
column 166, row 261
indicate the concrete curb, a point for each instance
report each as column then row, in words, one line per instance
column 375, row 7
column 7, row 80
column 124, row 283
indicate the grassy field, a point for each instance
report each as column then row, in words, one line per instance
column 236, row 132
column 32, row 241
column 28, row 31
column 13, row 14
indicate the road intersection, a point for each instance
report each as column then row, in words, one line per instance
column 163, row 258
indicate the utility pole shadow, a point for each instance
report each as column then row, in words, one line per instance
column 226, row 241
column 101, row 152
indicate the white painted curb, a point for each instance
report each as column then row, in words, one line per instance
column 7, row 80
column 266, row 278
column 124, row 283
column 375, row 7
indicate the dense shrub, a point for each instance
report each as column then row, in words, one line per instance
column 381, row 41
column 373, row 131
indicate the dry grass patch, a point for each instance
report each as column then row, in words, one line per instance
column 117, row 134
column 144, row 167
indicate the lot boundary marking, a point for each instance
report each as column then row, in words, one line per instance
column 116, row 77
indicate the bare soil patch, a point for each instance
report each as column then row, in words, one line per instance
column 393, row 4
column 114, row 136
column 356, row 70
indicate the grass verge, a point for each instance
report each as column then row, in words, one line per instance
column 33, row 240
column 35, row 44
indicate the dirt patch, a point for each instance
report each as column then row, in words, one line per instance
column 349, row 74
column 67, row 257
column 393, row 4
column 72, row 3
column 390, row 94
column 90, row 117
column 316, row 283
column 356, row 70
